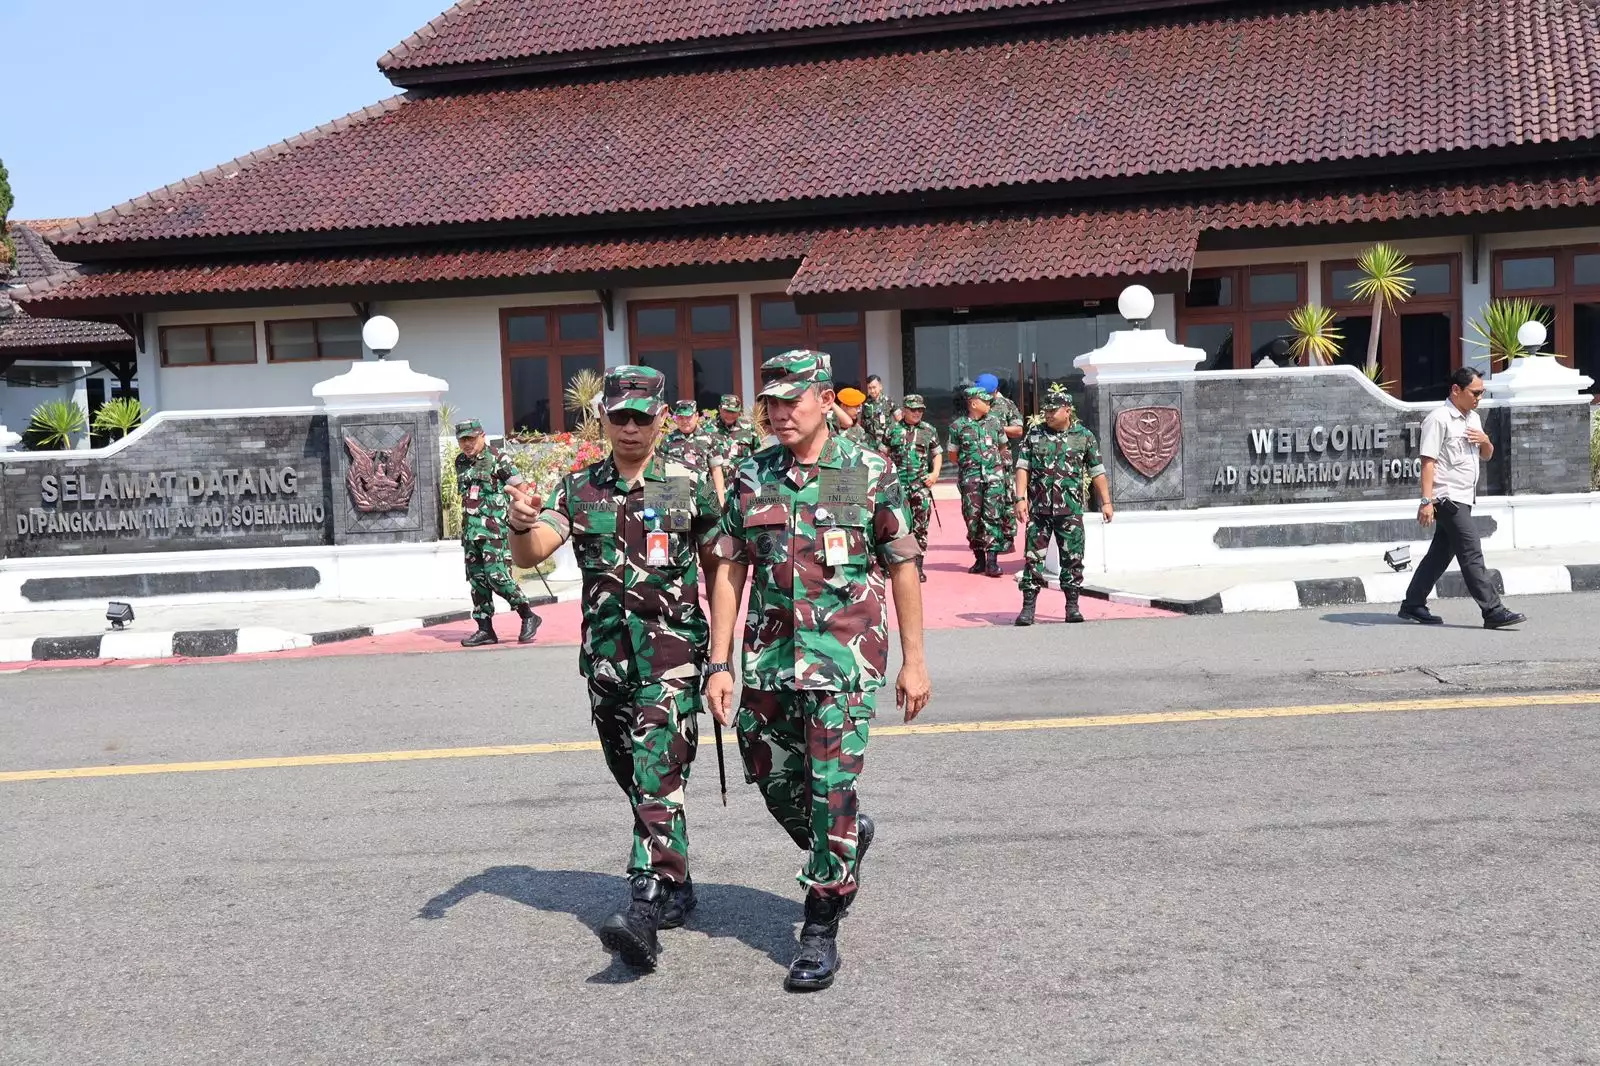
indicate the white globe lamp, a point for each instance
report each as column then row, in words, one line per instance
column 1531, row 335
column 1136, row 304
column 380, row 334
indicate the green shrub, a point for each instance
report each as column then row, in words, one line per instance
column 55, row 423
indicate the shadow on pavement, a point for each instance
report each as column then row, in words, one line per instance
column 760, row 920
column 1372, row 618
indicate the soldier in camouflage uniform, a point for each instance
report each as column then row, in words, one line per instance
column 638, row 523
column 877, row 413
column 1055, row 464
column 975, row 442
column 738, row 437
column 851, row 400
column 689, row 443
column 820, row 522
column 1011, row 421
column 482, row 477
column 913, row 446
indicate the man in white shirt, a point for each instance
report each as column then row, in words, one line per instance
column 1453, row 443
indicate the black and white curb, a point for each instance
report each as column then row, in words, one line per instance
column 1372, row 588
column 206, row 643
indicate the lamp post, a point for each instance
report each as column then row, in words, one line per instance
column 1136, row 304
column 380, row 334
column 1531, row 336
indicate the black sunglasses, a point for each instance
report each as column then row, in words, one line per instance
column 622, row 418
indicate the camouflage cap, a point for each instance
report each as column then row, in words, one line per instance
column 468, row 427
column 730, row 402
column 635, row 388
column 976, row 392
column 684, row 408
column 852, row 397
column 1056, row 396
column 914, row 402
column 788, row 376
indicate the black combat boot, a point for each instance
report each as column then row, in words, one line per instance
column 530, row 624
column 631, row 932
column 864, row 833
column 982, row 561
column 1073, row 614
column 1030, row 602
column 680, row 901
column 992, row 567
column 484, row 635
column 818, row 958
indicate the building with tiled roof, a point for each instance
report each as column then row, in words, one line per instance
column 930, row 189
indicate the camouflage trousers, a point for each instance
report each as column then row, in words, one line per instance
column 919, row 502
column 489, row 572
column 1008, row 510
column 804, row 751
column 1067, row 529
column 982, row 508
column 649, row 734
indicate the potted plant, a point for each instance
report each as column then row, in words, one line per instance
column 1386, row 281
column 1316, row 339
column 55, row 423
column 119, row 417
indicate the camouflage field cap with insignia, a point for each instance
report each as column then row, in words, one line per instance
column 788, row 376
column 976, row 392
column 684, row 408
column 730, row 402
column 1056, row 396
column 468, row 427
column 914, row 402
column 634, row 388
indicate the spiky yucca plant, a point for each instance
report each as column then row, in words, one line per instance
column 582, row 395
column 1386, row 281
column 1496, row 327
column 56, row 422
column 120, row 416
column 1316, row 339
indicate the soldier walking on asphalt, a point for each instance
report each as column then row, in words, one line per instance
column 913, row 446
column 638, row 523
column 1054, row 463
column 689, row 443
column 482, row 477
column 1010, row 418
column 820, row 524
column 975, row 442
column 1453, row 443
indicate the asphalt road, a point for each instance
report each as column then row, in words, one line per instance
column 1393, row 886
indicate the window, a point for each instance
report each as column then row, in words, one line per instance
column 1419, row 345
column 1237, row 315
column 694, row 343
column 1566, row 282
column 541, row 350
column 842, row 334
column 299, row 339
column 225, row 343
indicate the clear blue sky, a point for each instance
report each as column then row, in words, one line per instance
column 107, row 99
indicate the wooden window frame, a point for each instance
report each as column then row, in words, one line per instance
column 316, row 339
column 1562, row 298
column 1242, row 314
column 211, row 355
column 685, row 340
column 810, row 334
column 552, row 349
column 1389, row 354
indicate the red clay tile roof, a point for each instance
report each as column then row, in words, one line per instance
column 1142, row 238
column 1018, row 119
column 21, row 334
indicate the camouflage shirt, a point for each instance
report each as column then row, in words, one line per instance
column 697, row 451
column 977, row 444
column 857, row 434
column 877, row 418
column 1009, row 417
column 739, row 441
column 1059, row 464
column 912, row 449
column 641, row 623
column 812, row 626
column 482, row 483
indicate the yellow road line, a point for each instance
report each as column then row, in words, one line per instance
column 1098, row 721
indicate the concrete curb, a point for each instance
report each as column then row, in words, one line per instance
column 209, row 643
column 1370, row 588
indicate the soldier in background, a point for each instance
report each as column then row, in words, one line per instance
column 877, row 413
column 482, row 477
column 1011, row 421
column 851, row 400
column 737, row 435
column 689, row 443
column 913, row 446
column 819, row 521
column 975, row 442
column 1054, row 464
column 638, row 522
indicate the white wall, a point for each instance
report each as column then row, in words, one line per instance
column 17, row 403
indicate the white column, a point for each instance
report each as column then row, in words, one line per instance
column 750, row 366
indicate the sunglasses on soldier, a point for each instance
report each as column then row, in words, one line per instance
column 622, row 418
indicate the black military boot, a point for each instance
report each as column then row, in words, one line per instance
column 530, row 624
column 818, row 958
column 1030, row 603
column 1073, row 614
column 982, row 561
column 992, row 567
column 484, row 635
column 680, row 901
column 631, row 932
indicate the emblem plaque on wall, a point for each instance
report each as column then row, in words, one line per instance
column 380, row 480
column 1149, row 437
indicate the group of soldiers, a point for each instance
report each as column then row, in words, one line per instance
column 818, row 526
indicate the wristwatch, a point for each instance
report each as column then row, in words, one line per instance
column 718, row 668
column 1426, row 502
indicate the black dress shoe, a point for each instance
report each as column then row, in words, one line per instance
column 1503, row 617
column 1421, row 615
column 680, row 901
